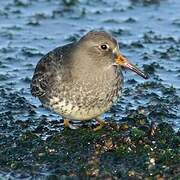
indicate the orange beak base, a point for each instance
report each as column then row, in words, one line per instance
column 122, row 61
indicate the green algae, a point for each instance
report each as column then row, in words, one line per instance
column 137, row 134
column 112, row 152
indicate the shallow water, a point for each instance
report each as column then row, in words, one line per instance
column 148, row 33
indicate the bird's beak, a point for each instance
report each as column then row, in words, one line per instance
column 122, row 61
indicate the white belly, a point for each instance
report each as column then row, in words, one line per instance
column 71, row 111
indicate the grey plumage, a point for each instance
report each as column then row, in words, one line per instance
column 79, row 81
column 47, row 69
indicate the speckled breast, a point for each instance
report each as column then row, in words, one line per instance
column 82, row 100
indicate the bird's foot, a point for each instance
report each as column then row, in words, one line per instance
column 101, row 122
column 67, row 124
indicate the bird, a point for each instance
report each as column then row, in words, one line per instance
column 83, row 79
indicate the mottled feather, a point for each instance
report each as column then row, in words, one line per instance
column 47, row 69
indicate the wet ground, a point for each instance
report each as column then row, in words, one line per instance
column 33, row 142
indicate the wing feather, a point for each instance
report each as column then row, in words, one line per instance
column 46, row 70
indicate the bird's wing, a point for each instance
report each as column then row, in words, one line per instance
column 47, row 69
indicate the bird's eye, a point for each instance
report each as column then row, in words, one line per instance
column 104, row 46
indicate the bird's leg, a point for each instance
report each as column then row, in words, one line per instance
column 101, row 123
column 66, row 123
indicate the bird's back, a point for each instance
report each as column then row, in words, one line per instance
column 47, row 69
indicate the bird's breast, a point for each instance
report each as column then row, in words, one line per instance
column 87, row 97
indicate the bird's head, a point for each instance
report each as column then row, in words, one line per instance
column 103, row 50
